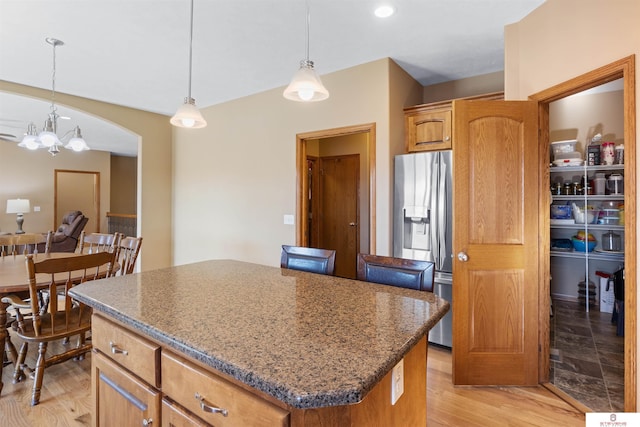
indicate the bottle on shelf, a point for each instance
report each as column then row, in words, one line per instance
column 599, row 184
column 593, row 150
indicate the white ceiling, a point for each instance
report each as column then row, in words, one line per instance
column 135, row 52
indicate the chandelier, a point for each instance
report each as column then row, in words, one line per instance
column 48, row 137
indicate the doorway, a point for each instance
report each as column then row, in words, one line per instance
column 340, row 143
column 625, row 70
column 77, row 191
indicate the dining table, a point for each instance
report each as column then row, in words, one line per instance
column 14, row 280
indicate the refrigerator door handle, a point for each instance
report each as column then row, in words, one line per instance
column 442, row 216
column 433, row 207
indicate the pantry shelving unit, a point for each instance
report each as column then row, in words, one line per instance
column 598, row 259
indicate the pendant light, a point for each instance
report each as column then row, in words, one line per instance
column 305, row 85
column 48, row 138
column 188, row 115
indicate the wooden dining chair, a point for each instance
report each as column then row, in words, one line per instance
column 16, row 244
column 63, row 317
column 404, row 273
column 127, row 254
column 98, row 242
column 313, row 260
column 25, row 304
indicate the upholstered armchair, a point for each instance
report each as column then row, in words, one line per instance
column 65, row 238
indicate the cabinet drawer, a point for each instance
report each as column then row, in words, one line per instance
column 120, row 398
column 174, row 415
column 128, row 349
column 182, row 381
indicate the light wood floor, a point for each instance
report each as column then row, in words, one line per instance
column 66, row 400
column 490, row 406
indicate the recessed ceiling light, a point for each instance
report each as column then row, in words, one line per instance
column 384, row 11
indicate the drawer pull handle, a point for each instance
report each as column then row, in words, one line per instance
column 147, row 422
column 117, row 350
column 210, row 408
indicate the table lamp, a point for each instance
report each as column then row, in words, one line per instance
column 18, row 206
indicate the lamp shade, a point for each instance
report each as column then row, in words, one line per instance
column 48, row 137
column 18, row 206
column 188, row 116
column 77, row 143
column 30, row 140
column 306, row 85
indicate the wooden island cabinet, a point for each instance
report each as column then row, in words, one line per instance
column 258, row 346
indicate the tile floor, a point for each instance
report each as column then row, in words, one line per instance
column 587, row 358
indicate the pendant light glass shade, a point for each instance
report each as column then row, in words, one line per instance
column 77, row 142
column 188, row 116
column 306, row 85
column 30, row 140
column 48, row 136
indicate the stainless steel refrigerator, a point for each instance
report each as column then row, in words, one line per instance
column 422, row 222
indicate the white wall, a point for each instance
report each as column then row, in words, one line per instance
column 563, row 39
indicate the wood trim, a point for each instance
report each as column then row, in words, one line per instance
column 115, row 215
column 96, row 187
column 491, row 96
column 623, row 68
column 544, row 245
column 302, row 182
column 564, row 396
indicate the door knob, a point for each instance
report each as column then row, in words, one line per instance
column 353, row 224
column 463, row 257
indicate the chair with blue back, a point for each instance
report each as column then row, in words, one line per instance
column 313, row 260
column 404, row 273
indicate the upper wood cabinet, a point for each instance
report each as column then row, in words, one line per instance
column 428, row 126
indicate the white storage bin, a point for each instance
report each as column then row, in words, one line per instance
column 607, row 298
column 566, row 146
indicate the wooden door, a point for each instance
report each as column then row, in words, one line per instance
column 339, row 212
column 77, row 191
column 495, row 270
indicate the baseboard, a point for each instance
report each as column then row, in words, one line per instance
column 564, row 396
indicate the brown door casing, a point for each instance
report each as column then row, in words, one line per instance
column 303, row 184
column 625, row 69
column 77, row 190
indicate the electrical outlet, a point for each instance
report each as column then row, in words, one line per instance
column 36, row 208
column 397, row 382
column 288, row 219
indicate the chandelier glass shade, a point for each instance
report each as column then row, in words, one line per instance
column 306, row 85
column 48, row 137
column 188, row 115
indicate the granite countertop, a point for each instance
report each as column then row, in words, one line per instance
column 307, row 339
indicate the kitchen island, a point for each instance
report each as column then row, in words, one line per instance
column 235, row 343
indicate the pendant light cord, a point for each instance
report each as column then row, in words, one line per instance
column 190, row 48
column 53, row 115
column 53, row 80
column 308, row 22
